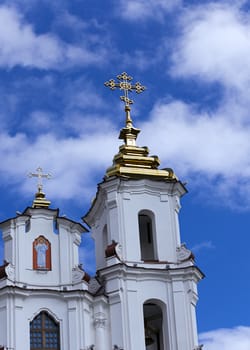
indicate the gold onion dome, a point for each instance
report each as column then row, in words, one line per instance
column 133, row 161
column 40, row 200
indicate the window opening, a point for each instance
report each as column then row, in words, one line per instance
column 153, row 327
column 146, row 237
column 44, row 333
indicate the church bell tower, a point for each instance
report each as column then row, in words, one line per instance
column 150, row 277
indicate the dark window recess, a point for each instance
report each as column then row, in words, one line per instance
column 146, row 237
column 149, row 232
column 153, row 331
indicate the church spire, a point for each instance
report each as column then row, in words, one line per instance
column 133, row 161
column 40, row 200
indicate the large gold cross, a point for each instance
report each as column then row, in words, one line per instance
column 124, row 83
column 40, row 177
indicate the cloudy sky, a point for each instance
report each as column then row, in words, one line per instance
column 194, row 58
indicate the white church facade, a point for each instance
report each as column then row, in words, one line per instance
column 144, row 293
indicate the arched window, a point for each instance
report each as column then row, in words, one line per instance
column 41, row 254
column 153, row 326
column 44, row 333
column 147, row 237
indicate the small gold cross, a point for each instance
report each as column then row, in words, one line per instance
column 124, row 83
column 40, row 177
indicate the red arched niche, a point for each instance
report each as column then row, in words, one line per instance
column 41, row 254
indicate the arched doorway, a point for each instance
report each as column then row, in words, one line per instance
column 44, row 333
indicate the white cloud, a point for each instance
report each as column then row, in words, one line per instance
column 134, row 10
column 210, row 143
column 84, row 98
column 210, row 150
column 20, row 45
column 227, row 339
column 68, row 20
column 203, row 245
column 73, row 162
column 214, row 45
column 39, row 120
column 198, row 142
column 141, row 60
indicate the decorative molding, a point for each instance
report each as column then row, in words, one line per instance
column 118, row 250
column 193, row 297
column 99, row 320
column 77, row 274
column 163, row 197
column 7, row 235
column 114, row 297
column 49, row 312
column 126, row 195
column 112, row 203
column 114, row 249
column 184, row 254
column 96, row 224
column 177, row 204
column 10, row 271
column 76, row 238
column 94, row 285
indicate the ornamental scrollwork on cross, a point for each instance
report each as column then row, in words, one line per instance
column 124, row 83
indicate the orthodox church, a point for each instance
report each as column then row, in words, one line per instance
column 144, row 293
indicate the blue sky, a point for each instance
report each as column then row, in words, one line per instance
column 193, row 57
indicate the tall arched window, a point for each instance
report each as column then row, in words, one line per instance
column 147, row 237
column 41, row 254
column 44, row 333
column 153, row 326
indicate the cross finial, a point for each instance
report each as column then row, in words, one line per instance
column 124, row 83
column 40, row 177
column 129, row 133
column 40, row 201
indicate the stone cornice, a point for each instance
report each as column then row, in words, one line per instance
column 140, row 273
